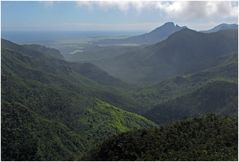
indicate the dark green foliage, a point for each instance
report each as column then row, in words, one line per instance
column 28, row 136
column 207, row 138
column 55, row 110
column 215, row 97
column 225, row 70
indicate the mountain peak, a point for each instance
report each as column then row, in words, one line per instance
column 168, row 27
column 169, row 24
column 156, row 35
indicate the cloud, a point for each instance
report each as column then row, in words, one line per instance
column 184, row 10
column 194, row 14
column 122, row 5
column 198, row 9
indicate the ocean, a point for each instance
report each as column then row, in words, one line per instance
column 44, row 37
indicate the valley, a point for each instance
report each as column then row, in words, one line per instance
column 173, row 96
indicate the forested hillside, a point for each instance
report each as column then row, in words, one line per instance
column 207, row 138
column 119, row 80
column 184, row 52
column 52, row 111
column 219, row 97
column 58, row 110
column 224, row 70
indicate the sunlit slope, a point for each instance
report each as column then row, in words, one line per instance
column 207, row 138
column 54, row 110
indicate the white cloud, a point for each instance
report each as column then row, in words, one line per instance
column 173, row 9
column 123, row 5
column 194, row 14
column 198, row 9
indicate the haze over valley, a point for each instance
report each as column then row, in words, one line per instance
column 98, row 90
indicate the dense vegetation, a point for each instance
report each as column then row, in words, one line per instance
column 215, row 97
column 150, row 96
column 27, row 135
column 206, row 138
column 54, row 110
column 58, row 110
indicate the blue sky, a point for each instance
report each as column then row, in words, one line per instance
column 114, row 15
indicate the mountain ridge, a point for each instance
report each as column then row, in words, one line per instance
column 223, row 26
column 58, row 110
column 207, row 137
column 185, row 51
column 156, row 35
column 47, row 103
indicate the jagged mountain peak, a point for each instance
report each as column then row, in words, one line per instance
column 156, row 35
column 167, row 27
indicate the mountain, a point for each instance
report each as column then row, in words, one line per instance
column 219, row 97
column 184, row 52
column 210, row 137
column 55, row 110
column 156, row 35
column 222, row 27
column 46, row 50
column 213, row 90
column 52, row 109
column 150, row 96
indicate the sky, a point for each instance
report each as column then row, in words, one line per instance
column 114, row 15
